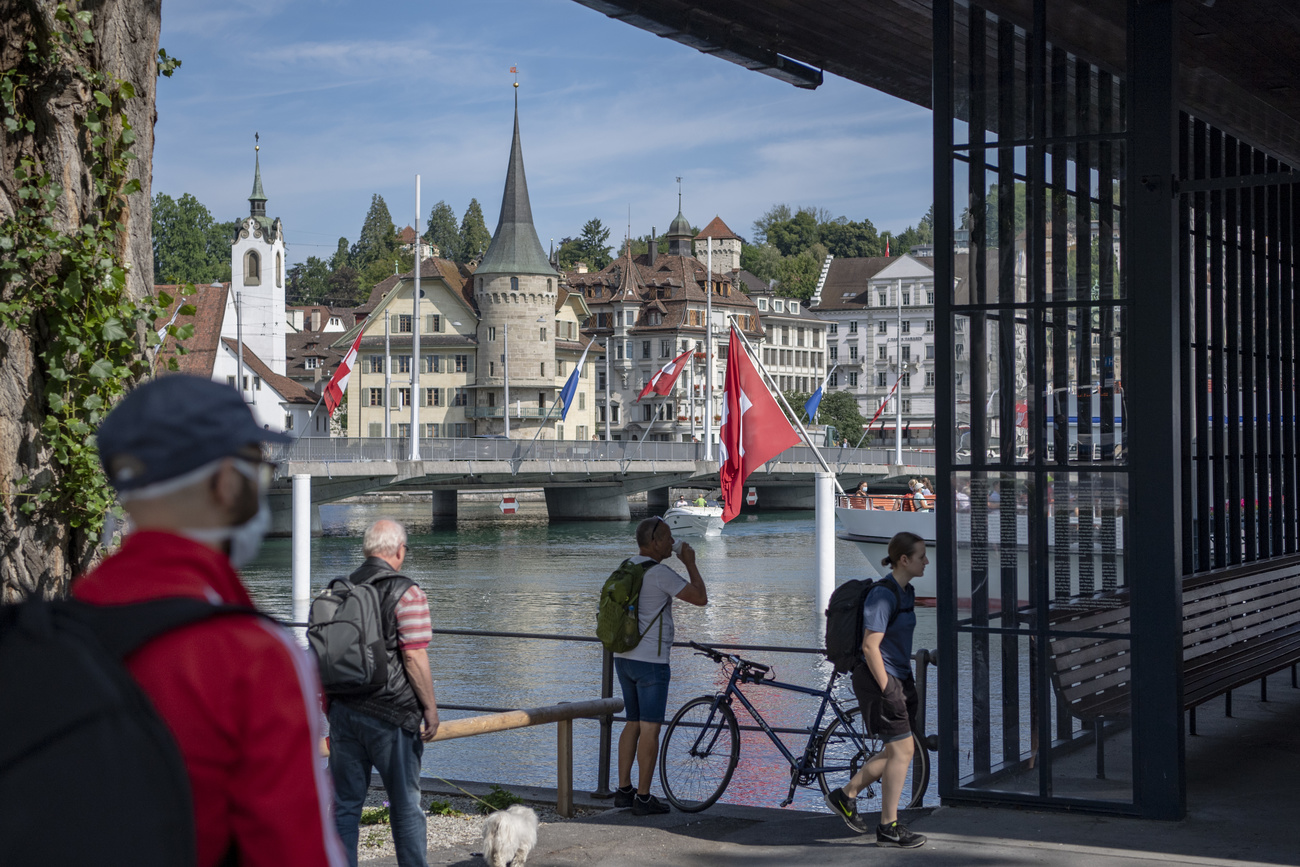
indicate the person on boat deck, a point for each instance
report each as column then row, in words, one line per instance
column 681, row 501
column 920, row 502
column 862, row 489
column 886, row 693
column 700, row 501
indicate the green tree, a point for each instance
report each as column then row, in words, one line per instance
column 591, row 247
column 991, row 209
column 378, row 237
column 442, row 231
column 773, row 215
column 852, row 239
column 345, row 288
column 761, row 260
column 796, row 234
column 341, row 256
column 474, row 236
column 797, row 275
column 309, row 282
column 641, row 246
column 840, row 409
column 188, row 245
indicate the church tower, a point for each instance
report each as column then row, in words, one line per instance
column 516, row 290
column 257, row 279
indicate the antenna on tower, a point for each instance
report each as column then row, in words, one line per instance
column 257, row 137
column 679, row 194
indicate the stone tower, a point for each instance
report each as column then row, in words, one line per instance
column 726, row 246
column 257, row 278
column 516, row 289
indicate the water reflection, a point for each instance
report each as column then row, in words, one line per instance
column 523, row 574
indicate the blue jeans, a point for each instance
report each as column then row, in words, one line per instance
column 645, row 688
column 357, row 742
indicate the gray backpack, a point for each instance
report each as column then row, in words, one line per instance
column 346, row 632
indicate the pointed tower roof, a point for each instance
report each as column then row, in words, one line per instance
column 717, row 230
column 515, row 248
column 257, row 195
column 630, row 284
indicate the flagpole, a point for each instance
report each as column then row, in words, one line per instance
column 771, row 384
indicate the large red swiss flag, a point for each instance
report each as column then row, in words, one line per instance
column 754, row 430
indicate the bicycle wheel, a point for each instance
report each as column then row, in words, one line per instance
column 844, row 752
column 699, row 753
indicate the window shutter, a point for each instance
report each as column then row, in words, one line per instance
column 394, row 398
column 469, row 364
column 430, row 323
column 376, row 429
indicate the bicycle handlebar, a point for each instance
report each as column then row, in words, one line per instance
column 718, row 657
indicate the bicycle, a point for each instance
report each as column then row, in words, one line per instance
column 701, row 747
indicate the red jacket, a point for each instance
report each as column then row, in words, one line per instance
column 240, row 697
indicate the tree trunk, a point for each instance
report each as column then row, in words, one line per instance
column 41, row 554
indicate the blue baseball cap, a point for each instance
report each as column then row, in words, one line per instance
column 172, row 425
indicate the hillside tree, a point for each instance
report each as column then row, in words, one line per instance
column 474, row 235
column 442, row 231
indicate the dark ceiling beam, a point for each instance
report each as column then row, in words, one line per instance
column 710, row 35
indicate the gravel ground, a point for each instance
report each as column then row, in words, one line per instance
column 376, row 841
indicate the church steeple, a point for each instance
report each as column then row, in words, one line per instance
column 257, row 199
column 515, row 247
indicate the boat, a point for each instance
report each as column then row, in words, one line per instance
column 871, row 521
column 694, row 520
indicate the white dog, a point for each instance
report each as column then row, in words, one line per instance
column 509, row 835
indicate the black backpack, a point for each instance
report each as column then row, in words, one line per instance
column 844, row 627
column 78, row 733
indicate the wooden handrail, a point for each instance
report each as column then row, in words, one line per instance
column 517, row 719
column 562, row 715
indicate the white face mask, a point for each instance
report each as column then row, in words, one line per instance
column 246, row 538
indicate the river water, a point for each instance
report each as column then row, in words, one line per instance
column 521, row 573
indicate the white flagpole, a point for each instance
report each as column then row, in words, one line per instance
column 415, row 336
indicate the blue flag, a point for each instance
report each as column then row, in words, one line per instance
column 815, row 401
column 571, row 385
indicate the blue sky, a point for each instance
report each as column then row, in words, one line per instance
column 356, row 98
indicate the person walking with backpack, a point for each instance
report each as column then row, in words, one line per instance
column 387, row 728
column 643, row 671
column 236, row 692
column 886, row 693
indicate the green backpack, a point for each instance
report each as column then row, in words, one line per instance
column 618, row 621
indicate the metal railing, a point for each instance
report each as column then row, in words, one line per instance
column 923, row 659
column 354, row 449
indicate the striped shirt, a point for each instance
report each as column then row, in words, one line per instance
column 414, row 628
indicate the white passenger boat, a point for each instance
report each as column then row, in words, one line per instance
column 695, row 520
column 871, row 521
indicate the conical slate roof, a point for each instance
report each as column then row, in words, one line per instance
column 515, row 248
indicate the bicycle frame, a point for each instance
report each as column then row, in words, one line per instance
column 798, row 766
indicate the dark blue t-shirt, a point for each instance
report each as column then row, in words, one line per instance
column 896, row 646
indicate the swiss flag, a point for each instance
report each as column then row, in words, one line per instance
column 754, row 430
column 664, row 379
column 338, row 384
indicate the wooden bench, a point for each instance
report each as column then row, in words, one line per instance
column 1239, row 626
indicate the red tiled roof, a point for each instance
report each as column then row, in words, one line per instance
column 292, row 392
column 406, row 236
column 717, row 230
column 201, row 348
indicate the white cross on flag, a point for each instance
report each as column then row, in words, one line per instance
column 662, row 382
column 754, row 430
column 338, row 384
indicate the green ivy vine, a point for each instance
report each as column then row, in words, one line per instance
column 68, row 288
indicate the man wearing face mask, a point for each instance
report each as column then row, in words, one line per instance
column 237, row 692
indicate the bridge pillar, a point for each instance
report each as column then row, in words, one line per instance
column 587, row 504
column 282, row 517
column 657, row 500
column 775, row 498
column 444, row 508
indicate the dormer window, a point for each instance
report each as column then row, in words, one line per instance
column 779, row 306
column 794, row 308
column 762, row 304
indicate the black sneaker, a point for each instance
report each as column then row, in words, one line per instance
column 648, row 806
column 847, row 809
column 623, row 797
column 896, row 834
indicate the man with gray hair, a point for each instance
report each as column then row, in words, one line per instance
column 387, row 729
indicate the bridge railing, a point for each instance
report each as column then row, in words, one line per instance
column 354, row 449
